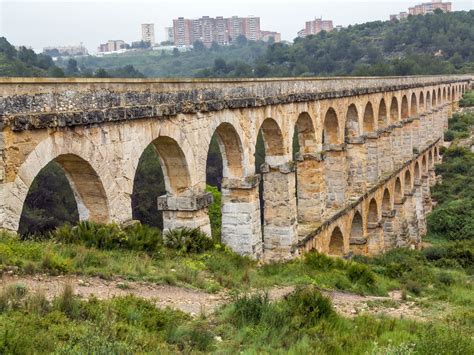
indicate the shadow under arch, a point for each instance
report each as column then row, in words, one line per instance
column 330, row 128
column 336, row 242
column 80, row 192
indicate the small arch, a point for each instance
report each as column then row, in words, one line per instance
column 331, row 127
column 394, row 110
column 453, row 93
column 386, row 201
column 336, row 242
column 424, row 168
column 398, row 190
column 439, row 96
column 430, row 159
column 373, row 216
column 433, row 99
column 404, row 107
column 272, row 138
column 422, row 101
column 357, row 226
column 407, row 181
column 417, row 172
column 352, row 122
column 413, row 105
column 382, row 119
column 369, row 124
column 449, row 94
column 444, row 94
column 428, row 100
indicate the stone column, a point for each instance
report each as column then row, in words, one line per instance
column 371, row 143
column 310, row 187
column 389, row 229
column 335, row 177
column 420, row 212
column 410, row 213
column 431, row 176
column 423, row 133
column 186, row 211
column 356, row 162
column 426, row 193
column 402, row 225
column 396, row 140
column 241, row 228
column 375, row 240
column 358, row 246
column 280, row 216
column 385, row 152
column 407, row 147
column 415, row 135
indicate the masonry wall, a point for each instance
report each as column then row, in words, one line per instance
column 98, row 129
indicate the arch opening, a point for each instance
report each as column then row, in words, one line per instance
column 304, row 137
column 331, row 128
column 352, row 122
column 422, row 102
column 398, row 190
column 162, row 169
column 373, row 215
column 368, row 122
column 336, row 242
column 382, row 119
column 413, row 105
column 428, row 100
column 404, row 107
column 66, row 190
column 407, row 181
column 394, row 110
column 386, row 204
column 433, row 99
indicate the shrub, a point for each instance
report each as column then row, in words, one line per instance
column 453, row 220
column 67, row 303
column 307, row 306
column 249, row 309
column 413, row 286
column 12, row 296
column 361, row 274
column 188, row 240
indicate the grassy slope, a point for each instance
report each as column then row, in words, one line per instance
column 439, row 279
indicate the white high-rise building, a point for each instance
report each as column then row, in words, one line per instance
column 148, row 32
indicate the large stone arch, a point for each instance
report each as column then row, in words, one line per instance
column 336, row 242
column 394, row 116
column 449, row 94
column 273, row 141
column 305, row 133
column 231, row 149
column 433, row 99
column 413, row 105
column 330, row 127
column 382, row 114
column 424, row 167
column 440, row 101
column 428, row 100
column 369, row 119
column 405, row 111
column 357, row 240
column 352, row 122
column 417, row 172
column 87, row 180
column 444, row 94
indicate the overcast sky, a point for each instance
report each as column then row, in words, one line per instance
column 39, row 23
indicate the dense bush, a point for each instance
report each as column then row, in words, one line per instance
column 188, row 240
column 111, row 236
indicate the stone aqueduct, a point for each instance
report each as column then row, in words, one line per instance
column 360, row 182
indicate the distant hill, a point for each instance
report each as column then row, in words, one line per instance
column 432, row 44
column 439, row 43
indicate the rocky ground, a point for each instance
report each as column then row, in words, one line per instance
column 196, row 302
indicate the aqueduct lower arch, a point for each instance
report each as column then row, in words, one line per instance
column 359, row 182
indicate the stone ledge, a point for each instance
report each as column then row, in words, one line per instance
column 184, row 203
column 357, row 241
column 309, row 156
column 246, row 183
column 285, row 168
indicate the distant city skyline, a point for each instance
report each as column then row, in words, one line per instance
column 38, row 23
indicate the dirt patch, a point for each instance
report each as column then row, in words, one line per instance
column 196, row 302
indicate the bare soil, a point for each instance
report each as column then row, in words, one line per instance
column 197, row 302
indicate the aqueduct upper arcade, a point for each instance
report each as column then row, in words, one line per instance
column 357, row 180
